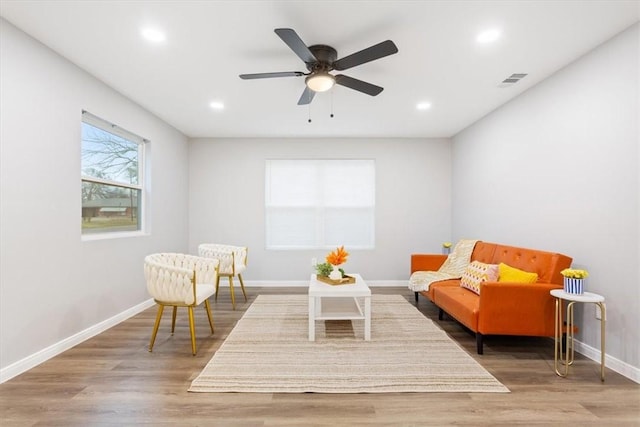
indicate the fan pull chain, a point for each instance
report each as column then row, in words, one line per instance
column 331, row 115
column 309, row 113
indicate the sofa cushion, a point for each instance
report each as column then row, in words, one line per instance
column 460, row 304
column 454, row 283
column 476, row 273
column 547, row 265
column 515, row 275
column 484, row 252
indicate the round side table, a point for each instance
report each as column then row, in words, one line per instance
column 571, row 299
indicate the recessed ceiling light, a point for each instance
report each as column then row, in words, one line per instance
column 488, row 36
column 153, row 35
column 423, row 105
column 216, row 105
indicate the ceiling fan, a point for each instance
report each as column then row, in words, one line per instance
column 321, row 59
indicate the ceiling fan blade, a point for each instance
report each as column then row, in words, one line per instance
column 270, row 75
column 369, row 54
column 307, row 96
column 296, row 44
column 358, row 85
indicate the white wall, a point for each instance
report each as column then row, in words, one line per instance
column 413, row 198
column 558, row 169
column 53, row 285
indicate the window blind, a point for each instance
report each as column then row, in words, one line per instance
column 312, row 204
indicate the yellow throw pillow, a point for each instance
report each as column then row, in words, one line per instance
column 514, row 275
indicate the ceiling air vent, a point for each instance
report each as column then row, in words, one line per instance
column 512, row 79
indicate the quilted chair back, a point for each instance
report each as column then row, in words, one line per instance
column 233, row 259
column 172, row 277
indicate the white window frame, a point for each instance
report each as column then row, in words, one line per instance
column 319, row 212
column 109, row 127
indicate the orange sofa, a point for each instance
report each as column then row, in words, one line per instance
column 502, row 308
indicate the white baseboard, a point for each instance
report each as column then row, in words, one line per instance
column 43, row 355
column 301, row 283
column 275, row 283
column 610, row 362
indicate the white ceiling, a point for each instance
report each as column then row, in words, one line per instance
column 210, row 42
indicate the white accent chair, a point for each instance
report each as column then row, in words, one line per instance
column 180, row 280
column 233, row 261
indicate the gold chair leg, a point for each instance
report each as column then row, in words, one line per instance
column 193, row 331
column 173, row 319
column 208, row 308
column 217, row 286
column 242, row 286
column 233, row 298
column 155, row 327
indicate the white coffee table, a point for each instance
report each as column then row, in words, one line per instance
column 339, row 302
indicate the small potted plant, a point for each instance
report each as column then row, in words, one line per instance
column 446, row 248
column 324, row 269
column 574, row 280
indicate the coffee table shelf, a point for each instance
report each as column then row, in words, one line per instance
column 328, row 302
column 339, row 309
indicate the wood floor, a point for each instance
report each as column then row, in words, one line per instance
column 112, row 380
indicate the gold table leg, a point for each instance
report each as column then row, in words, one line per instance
column 603, row 319
column 568, row 347
column 569, row 343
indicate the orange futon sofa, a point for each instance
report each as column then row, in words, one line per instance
column 501, row 308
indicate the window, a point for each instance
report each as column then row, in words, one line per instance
column 317, row 204
column 112, row 161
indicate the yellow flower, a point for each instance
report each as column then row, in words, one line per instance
column 575, row 273
column 446, row 245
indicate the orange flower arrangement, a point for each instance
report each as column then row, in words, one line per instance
column 337, row 257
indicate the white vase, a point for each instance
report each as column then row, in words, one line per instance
column 335, row 273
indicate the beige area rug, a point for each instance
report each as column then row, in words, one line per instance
column 269, row 352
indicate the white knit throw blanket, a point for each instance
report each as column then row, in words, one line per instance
column 453, row 267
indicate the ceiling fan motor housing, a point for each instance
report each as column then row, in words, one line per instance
column 325, row 55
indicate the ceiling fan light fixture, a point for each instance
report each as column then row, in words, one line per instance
column 320, row 82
